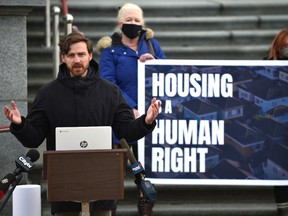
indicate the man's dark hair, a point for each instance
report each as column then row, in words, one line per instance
column 73, row 38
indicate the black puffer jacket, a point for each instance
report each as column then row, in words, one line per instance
column 78, row 101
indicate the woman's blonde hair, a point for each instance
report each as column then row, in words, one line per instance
column 126, row 6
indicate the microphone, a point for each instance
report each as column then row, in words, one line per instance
column 23, row 164
column 5, row 184
column 146, row 187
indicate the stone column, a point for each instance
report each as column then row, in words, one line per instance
column 13, row 76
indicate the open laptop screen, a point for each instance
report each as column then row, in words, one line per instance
column 83, row 138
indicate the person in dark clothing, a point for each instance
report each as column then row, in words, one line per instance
column 279, row 51
column 78, row 97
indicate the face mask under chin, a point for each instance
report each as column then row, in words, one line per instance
column 131, row 30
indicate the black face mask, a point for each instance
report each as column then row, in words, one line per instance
column 131, row 30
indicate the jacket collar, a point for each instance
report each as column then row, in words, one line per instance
column 79, row 83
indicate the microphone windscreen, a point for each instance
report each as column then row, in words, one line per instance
column 33, row 154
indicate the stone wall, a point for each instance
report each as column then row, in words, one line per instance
column 13, row 77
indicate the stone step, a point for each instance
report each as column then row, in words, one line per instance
column 188, row 23
column 150, row 8
column 246, row 7
column 180, row 8
column 204, row 209
column 198, row 23
column 179, row 38
column 233, row 52
column 221, row 52
column 191, row 209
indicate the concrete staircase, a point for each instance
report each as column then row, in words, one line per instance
column 186, row 29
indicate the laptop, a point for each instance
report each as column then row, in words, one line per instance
column 83, row 138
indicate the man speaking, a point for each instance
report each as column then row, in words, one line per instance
column 78, row 97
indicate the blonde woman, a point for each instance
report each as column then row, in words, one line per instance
column 119, row 55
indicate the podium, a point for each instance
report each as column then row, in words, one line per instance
column 84, row 176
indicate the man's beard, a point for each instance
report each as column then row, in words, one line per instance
column 78, row 69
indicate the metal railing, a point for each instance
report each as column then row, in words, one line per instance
column 56, row 36
column 67, row 18
column 67, row 21
column 47, row 24
column 4, row 129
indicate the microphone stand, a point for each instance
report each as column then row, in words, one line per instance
column 147, row 190
column 10, row 191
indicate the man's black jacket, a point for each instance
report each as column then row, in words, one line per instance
column 78, row 101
